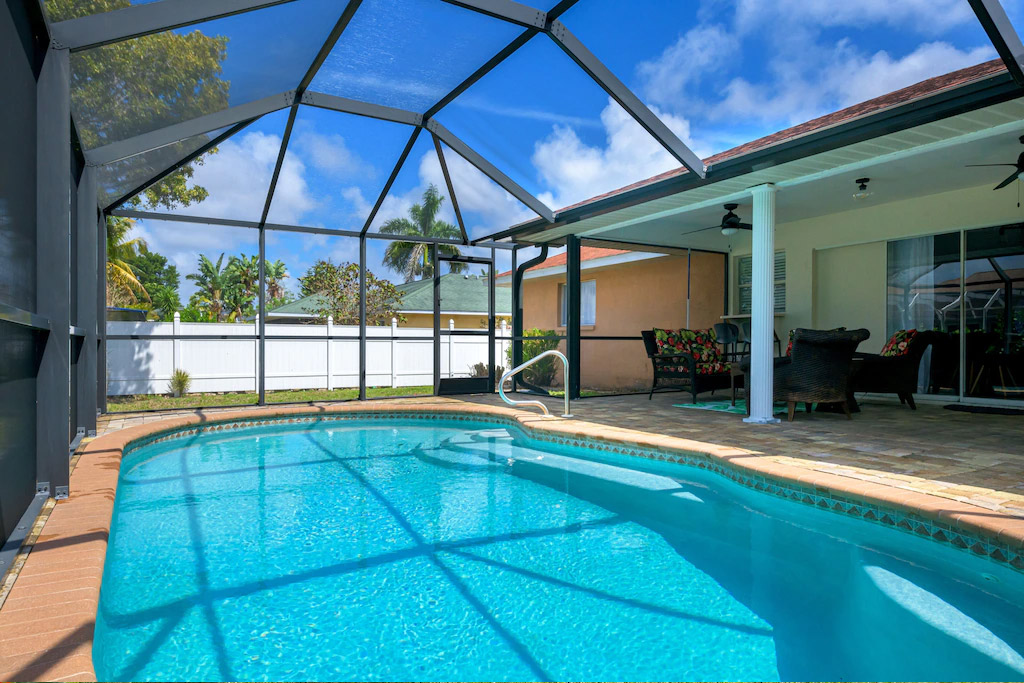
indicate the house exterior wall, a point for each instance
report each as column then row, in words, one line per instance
column 854, row 279
column 630, row 297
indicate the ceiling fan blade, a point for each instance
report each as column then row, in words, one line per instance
column 985, row 165
column 710, row 227
column 1013, row 176
column 745, row 226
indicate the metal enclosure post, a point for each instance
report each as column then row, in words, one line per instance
column 53, row 268
column 437, row 319
column 572, row 331
column 490, row 326
column 261, row 341
column 86, row 310
column 101, row 313
column 517, row 316
column 362, row 318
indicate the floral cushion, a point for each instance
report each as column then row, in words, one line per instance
column 899, row 344
column 700, row 344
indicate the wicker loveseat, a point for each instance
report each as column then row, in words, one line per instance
column 686, row 359
column 895, row 369
column 818, row 371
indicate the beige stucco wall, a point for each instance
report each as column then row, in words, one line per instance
column 809, row 267
column 849, row 283
column 631, row 297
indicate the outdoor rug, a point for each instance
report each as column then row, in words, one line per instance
column 723, row 406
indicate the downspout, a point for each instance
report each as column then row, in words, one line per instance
column 517, row 318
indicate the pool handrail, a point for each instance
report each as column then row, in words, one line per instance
column 516, row 370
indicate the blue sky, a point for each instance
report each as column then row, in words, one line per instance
column 719, row 72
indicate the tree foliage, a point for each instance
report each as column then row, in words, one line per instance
column 334, row 291
column 132, row 87
column 412, row 259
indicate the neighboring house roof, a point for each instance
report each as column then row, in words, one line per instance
column 590, row 257
column 902, row 96
column 460, row 294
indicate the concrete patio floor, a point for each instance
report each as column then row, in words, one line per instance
column 970, row 457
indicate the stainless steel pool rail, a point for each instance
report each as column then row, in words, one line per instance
column 520, row 368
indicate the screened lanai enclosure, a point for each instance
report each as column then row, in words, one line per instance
column 293, row 200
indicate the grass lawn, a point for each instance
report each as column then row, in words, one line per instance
column 127, row 404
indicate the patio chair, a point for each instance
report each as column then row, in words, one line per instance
column 746, row 336
column 895, row 369
column 687, row 359
column 818, row 371
column 728, row 335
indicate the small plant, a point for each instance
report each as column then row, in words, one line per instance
column 480, row 370
column 542, row 373
column 180, row 383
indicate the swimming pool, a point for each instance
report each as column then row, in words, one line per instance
column 412, row 549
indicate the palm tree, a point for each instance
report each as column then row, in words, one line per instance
column 275, row 271
column 211, row 282
column 243, row 275
column 122, row 284
column 165, row 302
column 412, row 259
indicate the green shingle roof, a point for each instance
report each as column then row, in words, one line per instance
column 459, row 294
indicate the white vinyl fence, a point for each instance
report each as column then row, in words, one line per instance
column 306, row 359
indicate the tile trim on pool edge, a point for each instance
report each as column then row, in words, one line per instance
column 46, row 630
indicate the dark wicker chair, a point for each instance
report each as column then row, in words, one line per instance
column 893, row 375
column 818, row 371
column 680, row 371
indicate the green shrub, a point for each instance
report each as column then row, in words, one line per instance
column 542, row 373
column 180, row 383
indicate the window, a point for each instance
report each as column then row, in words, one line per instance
column 588, row 303
column 745, row 274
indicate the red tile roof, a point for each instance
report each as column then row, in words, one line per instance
column 586, row 254
column 917, row 91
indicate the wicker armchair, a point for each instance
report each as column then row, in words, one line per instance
column 896, row 374
column 818, row 371
column 685, row 372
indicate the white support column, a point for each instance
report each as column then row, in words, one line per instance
column 176, row 330
column 762, row 321
column 330, row 333
column 394, row 352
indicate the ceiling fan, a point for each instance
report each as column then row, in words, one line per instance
column 731, row 223
column 1018, row 169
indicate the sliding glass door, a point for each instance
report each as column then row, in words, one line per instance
column 923, row 293
column 968, row 287
column 994, row 313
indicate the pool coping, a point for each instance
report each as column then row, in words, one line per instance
column 48, row 616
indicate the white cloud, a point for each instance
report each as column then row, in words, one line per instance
column 331, row 155
column 754, row 66
column 923, row 17
column 238, row 178
column 574, row 170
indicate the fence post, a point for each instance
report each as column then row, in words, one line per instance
column 176, row 343
column 330, row 333
column 394, row 350
column 451, row 326
column 256, row 360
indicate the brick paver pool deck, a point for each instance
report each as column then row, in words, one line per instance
column 964, row 470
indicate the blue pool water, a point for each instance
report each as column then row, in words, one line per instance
column 458, row 551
